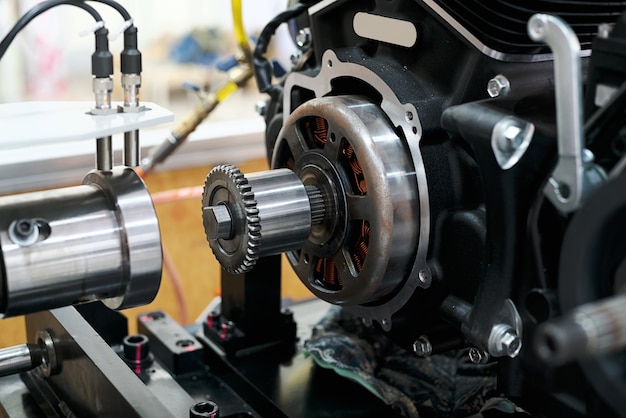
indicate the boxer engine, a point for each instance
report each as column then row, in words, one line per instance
column 451, row 173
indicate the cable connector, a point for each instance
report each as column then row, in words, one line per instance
column 102, row 59
column 131, row 71
column 102, row 69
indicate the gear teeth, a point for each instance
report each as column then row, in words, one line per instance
column 245, row 197
column 318, row 208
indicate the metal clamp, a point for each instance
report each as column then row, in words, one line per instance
column 574, row 176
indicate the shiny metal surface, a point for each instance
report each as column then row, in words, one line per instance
column 94, row 381
column 131, row 148
column 510, row 139
column 405, row 117
column 284, row 210
column 570, row 181
column 15, row 359
column 390, row 205
column 104, row 153
column 268, row 213
column 99, row 240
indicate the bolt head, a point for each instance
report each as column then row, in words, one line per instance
column 478, row 356
column 511, row 343
column 422, row 347
column 498, row 86
column 217, row 222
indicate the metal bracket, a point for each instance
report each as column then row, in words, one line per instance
column 574, row 176
column 510, row 139
column 505, row 338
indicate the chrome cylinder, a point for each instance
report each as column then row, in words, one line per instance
column 131, row 148
column 284, row 210
column 17, row 359
column 96, row 241
column 261, row 214
column 104, row 153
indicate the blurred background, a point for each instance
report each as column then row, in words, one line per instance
column 183, row 42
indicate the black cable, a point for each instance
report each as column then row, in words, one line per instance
column 130, row 58
column 262, row 66
column 118, row 7
column 36, row 11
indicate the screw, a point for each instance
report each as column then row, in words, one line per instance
column 422, row 346
column 478, row 356
column 588, row 156
column 512, row 138
column 511, row 343
column 504, row 341
column 424, row 278
column 304, row 39
column 498, row 86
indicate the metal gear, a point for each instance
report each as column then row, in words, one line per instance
column 259, row 215
column 238, row 251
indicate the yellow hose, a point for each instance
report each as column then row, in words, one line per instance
column 240, row 33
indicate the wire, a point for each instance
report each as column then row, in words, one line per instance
column 240, row 33
column 118, row 7
column 36, row 11
column 263, row 69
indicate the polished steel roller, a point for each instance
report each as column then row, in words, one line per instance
column 96, row 241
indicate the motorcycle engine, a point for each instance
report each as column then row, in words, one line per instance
column 452, row 172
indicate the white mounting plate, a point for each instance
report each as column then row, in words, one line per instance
column 35, row 123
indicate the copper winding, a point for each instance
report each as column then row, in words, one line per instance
column 361, row 247
column 357, row 172
column 319, row 132
column 326, row 268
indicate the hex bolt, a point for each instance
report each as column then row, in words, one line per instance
column 498, row 86
column 504, row 341
column 218, row 222
column 512, row 138
column 478, row 356
column 422, row 346
column 511, row 344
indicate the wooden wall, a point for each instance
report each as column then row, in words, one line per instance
column 184, row 242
